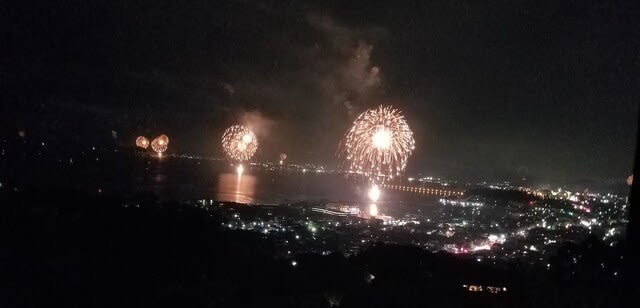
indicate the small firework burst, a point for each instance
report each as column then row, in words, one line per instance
column 142, row 142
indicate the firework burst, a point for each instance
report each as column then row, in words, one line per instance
column 164, row 138
column 239, row 143
column 378, row 144
column 160, row 144
column 142, row 142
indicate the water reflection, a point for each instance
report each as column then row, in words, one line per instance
column 373, row 210
column 236, row 188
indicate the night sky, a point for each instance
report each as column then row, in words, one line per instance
column 492, row 89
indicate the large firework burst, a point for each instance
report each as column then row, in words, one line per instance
column 378, row 144
column 239, row 143
column 160, row 144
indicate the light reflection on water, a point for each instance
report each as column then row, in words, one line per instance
column 175, row 179
column 236, row 188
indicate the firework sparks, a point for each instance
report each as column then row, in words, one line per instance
column 160, row 144
column 378, row 144
column 374, row 193
column 164, row 138
column 142, row 142
column 239, row 143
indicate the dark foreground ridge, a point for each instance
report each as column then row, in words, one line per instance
column 70, row 249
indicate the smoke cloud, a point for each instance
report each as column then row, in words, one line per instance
column 257, row 122
column 353, row 80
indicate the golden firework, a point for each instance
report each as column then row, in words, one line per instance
column 160, row 144
column 142, row 142
column 378, row 144
column 164, row 138
column 239, row 143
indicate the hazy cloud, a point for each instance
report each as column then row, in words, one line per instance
column 228, row 88
column 260, row 124
column 353, row 79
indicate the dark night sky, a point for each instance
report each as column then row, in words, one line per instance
column 491, row 89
